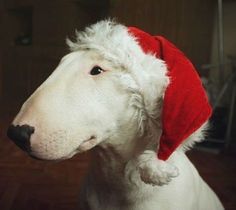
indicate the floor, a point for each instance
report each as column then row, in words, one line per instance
column 27, row 184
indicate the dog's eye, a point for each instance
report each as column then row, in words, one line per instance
column 96, row 70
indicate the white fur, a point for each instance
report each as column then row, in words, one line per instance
column 118, row 113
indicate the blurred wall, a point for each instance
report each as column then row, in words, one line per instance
column 229, row 27
column 229, row 23
column 33, row 34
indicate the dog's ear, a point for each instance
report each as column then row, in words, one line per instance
column 153, row 82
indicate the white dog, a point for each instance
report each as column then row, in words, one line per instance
column 107, row 94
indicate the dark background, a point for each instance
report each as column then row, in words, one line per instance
column 32, row 41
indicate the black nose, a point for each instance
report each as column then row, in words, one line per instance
column 21, row 135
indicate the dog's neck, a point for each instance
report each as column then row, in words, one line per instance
column 112, row 171
column 112, row 161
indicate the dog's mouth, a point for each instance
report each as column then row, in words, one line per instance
column 84, row 146
column 87, row 144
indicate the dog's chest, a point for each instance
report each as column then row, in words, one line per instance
column 102, row 197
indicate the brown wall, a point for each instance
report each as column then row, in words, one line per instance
column 1, row 14
column 187, row 23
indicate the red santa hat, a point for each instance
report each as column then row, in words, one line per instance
column 185, row 107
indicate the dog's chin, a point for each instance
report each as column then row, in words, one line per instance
column 53, row 159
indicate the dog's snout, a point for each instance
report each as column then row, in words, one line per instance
column 21, row 135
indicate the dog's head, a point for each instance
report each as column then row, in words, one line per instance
column 105, row 90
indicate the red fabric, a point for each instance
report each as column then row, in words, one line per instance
column 185, row 106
